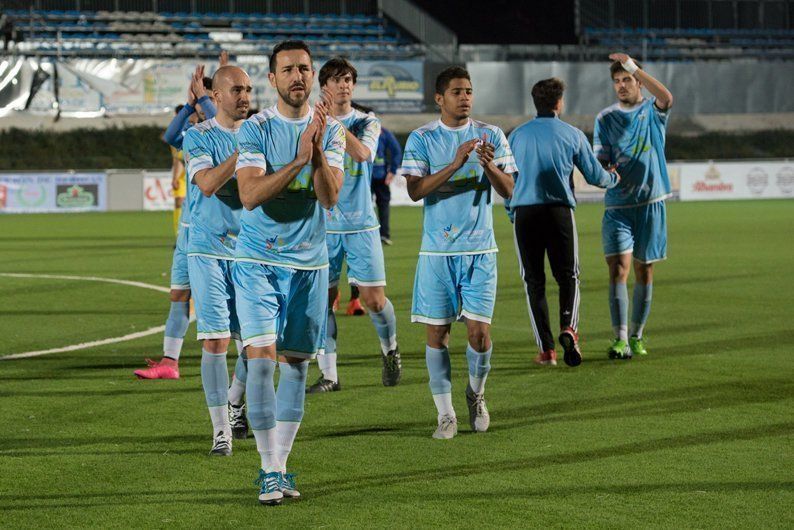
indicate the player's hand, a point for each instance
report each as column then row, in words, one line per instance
column 328, row 99
column 614, row 170
column 464, row 150
column 485, row 151
column 619, row 57
column 197, row 83
column 321, row 121
column 223, row 58
column 389, row 178
column 305, row 144
column 175, row 183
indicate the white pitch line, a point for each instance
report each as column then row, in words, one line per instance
column 102, row 342
column 89, row 279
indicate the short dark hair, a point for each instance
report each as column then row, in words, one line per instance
column 447, row 75
column 546, row 94
column 617, row 67
column 207, row 83
column 285, row 46
column 337, row 67
column 178, row 109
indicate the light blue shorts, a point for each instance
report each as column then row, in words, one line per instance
column 641, row 230
column 282, row 305
column 449, row 288
column 180, row 280
column 364, row 254
column 213, row 297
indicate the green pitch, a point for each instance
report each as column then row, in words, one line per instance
column 697, row 434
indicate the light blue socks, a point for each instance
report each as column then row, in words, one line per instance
column 641, row 307
column 386, row 326
column 619, row 309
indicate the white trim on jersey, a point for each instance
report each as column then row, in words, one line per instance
column 646, row 203
column 176, row 287
column 369, row 229
column 285, row 265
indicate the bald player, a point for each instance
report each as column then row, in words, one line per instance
column 211, row 155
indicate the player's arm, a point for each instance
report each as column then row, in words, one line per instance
column 420, row 187
column 173, row 134
column 211, row 180
column 592, row 171
column 502, row 182
column 393, row 155
column 327, row 179
column 255, row 185
column 601, row 146
column 363, row 149
column 664, row 99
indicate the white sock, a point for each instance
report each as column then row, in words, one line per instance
column 636, row 330
column 266, row 445
column 236, row 392
column 387, row 345
column 621, row 332
column 327, row 364
column 220, row 419
column 285, row 436
column 239, row 344
column 477, row 384
column 172, row 347
column 444, row 404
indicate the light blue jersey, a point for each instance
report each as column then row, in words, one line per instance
column 458, row 217
column 289, row 230
column 634, row 140
column 214, row 220
column 354, row 212
column 546, row 150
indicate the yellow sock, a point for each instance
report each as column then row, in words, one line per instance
column 177, row 215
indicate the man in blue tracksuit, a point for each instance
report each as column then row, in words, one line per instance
column 546, row 150
column 387, row 159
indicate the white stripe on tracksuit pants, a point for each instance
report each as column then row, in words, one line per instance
column 541, row 230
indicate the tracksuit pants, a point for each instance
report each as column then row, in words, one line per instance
column 540, row 230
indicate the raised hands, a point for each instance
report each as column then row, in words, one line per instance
column 485, row 151
column 463, row 152
column 197, row 83
column 223, row 59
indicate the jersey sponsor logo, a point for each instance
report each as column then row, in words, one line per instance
column 274, row 243
column 450, row 231
column 76, row 196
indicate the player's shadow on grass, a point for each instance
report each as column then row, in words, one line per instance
column 359, row 483
column 640, row 404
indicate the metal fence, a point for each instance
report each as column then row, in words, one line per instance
column 710, row 14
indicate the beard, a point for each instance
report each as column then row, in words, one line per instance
column 292, row 99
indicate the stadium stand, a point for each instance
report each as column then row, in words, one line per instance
column 178, row 34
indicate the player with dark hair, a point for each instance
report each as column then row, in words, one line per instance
column 454, row 163
column 352, row 230
column 546, row 150
column 631, row 135
column 290, row 167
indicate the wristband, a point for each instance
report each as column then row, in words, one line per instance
column 630, row 66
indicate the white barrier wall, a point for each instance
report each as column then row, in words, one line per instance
column 712, row 181
column 134, row 190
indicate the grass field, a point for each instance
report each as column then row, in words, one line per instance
column 698, row 434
